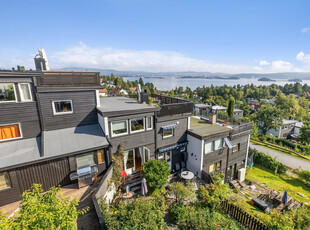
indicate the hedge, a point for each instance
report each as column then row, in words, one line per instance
column 268, row 161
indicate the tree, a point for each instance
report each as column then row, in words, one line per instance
column 118, row 165
column 44, row 210
column 230, row 109
column 182, row 192
column 269, row 118
column 156, row 173
column 305, row 132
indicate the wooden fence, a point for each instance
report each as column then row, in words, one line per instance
column 242, row 217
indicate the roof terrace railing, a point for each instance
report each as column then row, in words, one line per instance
column 242, row 128
column 55, row 78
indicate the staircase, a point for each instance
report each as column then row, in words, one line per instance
column 133, row 181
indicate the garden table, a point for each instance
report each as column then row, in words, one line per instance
column 187, row 175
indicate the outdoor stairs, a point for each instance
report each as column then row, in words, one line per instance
column 134, row 182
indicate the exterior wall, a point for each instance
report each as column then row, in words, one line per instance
column 287, row 129
column 10, row 195
column 238, row 115
column 84, row 109
column 195, row 155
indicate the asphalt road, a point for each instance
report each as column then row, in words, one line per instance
column 286, row 159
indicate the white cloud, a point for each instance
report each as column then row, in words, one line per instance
column 263, row 63
column 305, row 30
column 281, row 66
column 304, row 59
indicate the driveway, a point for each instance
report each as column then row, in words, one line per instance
column 286, row 159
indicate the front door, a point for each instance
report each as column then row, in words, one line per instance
column 233, row 171
column 133, row 160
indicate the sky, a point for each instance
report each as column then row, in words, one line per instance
column 237, row 36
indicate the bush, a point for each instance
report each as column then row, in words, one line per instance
column 268, row 162
column 183, row 192
column 213, row 195
column 156, row 174
column 137, row 214
column 43, row 210
column 195, row 216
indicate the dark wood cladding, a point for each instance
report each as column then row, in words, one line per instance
column 25, row 113
column 84, row 109
column 57, row 78
column 12, row 194
column 49, row 173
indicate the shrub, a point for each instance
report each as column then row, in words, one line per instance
column 183, row 192
column 137, row 214
column 268, row 162
column 213, row 195
column 44, row 210
column 156, row 174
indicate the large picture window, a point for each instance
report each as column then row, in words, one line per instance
column 91, row 158
column 62, row 107
column 168, row 133
column 9, row 132
column 136, row 125
column 7, row 92
column 209, row 147
column 25, row 92
column 149, row 123
column 4, row 180
column 218, row 144
column 119, row 128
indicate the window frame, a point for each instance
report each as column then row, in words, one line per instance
column 137, row 131
column 20, row 131
column 221, row 146
column 22, row 99
column 8, row 179
column 14, row 88
column 61, row 113
column 164, row 137
column 147, row 123
column 120, row 134
column 144, row 154
column 212, row 147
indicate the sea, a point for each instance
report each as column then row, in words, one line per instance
column 168, row 83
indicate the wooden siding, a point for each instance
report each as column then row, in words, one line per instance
column 179, row 132
column 26, row 113
column 12, row 194
column 84, row 109
column 49, row 173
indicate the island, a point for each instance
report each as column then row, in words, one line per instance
column 265, row 79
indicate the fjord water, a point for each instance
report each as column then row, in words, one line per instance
column 168, row 83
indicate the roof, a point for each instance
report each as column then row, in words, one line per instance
column 56, row 143
column 218, row 107
column 123, row 105
column 103, row 90
column 238, row 110
column 287, row 122
column 203, row 128
column 133, row 89
column 299, row 124
column 203, row 106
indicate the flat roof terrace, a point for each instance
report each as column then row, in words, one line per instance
column 110, row 106
column 203, row 128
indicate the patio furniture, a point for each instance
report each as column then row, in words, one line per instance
column 260, row 204
column 187, row 175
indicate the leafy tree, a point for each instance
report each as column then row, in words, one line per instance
column 305, row 133
column 141, row 82
column 230, row 109
column 156, row 173
column 44, row 210
column 183, row 192
column 118, row 165
column 269, row 118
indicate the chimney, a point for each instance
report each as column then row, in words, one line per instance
column 212, row 119
column 139, row 93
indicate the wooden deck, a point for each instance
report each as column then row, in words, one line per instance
column 88, row 221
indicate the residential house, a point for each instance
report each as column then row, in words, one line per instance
column 289, row 127
column 103, row 92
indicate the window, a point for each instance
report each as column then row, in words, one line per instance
column 4, row 180
column 146, row 154
column 214, row 167
column 9, row 132
column 149, row 123
column 218, row 144
column 209, row 147
column 100, row 156
column 168, row 156
column 161, row 156
column 136, row 125
column 168, row 133
column 7, row 92
column 85, row 159
column 62, row 107
column 25, row 92
column 236, row 148
column 183, row 149
column 119, row 128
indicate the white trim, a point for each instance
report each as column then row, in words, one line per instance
column 20, row 131
column 61, row 113
column 137, row 131
column 147, row 122
column 121, row 134
column 164, row 137
column 148, row 155
column 15, row 95
column 22, row 99
column 183, row 149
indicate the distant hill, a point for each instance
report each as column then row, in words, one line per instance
column 191, row 74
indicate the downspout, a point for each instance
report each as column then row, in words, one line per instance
column 247, row 153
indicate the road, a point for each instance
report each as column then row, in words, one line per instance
column 286, row 159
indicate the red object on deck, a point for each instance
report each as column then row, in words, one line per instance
column 124, row 173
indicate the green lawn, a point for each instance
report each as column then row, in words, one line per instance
column 280, row 183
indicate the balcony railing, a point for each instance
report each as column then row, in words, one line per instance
column 54, row 78
column 242, row 128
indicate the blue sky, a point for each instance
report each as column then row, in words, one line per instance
column 154, row 35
